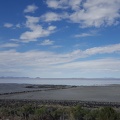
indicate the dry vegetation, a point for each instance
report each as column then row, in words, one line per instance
column 33, row 111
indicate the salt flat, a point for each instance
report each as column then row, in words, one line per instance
column 84, row 93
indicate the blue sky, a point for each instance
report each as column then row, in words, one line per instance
column 60, row 38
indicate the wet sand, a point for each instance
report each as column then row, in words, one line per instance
column 82, row 93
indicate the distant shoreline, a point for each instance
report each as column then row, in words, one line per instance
column 63, row 81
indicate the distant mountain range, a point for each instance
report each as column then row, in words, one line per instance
column 13, row 77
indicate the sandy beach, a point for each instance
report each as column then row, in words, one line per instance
column 83, row 93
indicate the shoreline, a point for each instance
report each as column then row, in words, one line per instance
column 60, row 93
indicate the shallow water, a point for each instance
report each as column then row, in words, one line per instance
column 83, row 93
column 62, row 81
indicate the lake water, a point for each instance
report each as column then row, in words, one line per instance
column 62, row 81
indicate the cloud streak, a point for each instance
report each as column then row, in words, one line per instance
column 87, row 34
column 44, row 60
column 8, row 25
column 9, row 45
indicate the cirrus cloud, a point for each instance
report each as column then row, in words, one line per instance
column 45, row 61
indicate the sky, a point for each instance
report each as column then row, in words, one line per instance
column 60, row 38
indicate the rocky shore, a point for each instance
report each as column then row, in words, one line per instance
column 88, row 104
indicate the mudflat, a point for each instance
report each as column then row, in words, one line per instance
column 83, row 93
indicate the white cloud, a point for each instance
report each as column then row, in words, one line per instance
column 31, row 20
column 51, row 58
column 18, row 25
column 30, row 8
column 14, row 40
column 84, row 35
column 8, row 25
column 97, row 13
column 9, row 45
column 88, row 34
column 75, row 4
column 64, row 4
column 51, row 28
column 90, row 12
column 47, row 62
column 57, row 4
column 47, row 42
column 52, row 16
column 36, row 31
column 56, row 46
column 99, row 64
column 103, row 50
column 107, row 67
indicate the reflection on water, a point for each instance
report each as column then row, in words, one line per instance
column 62, row 81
